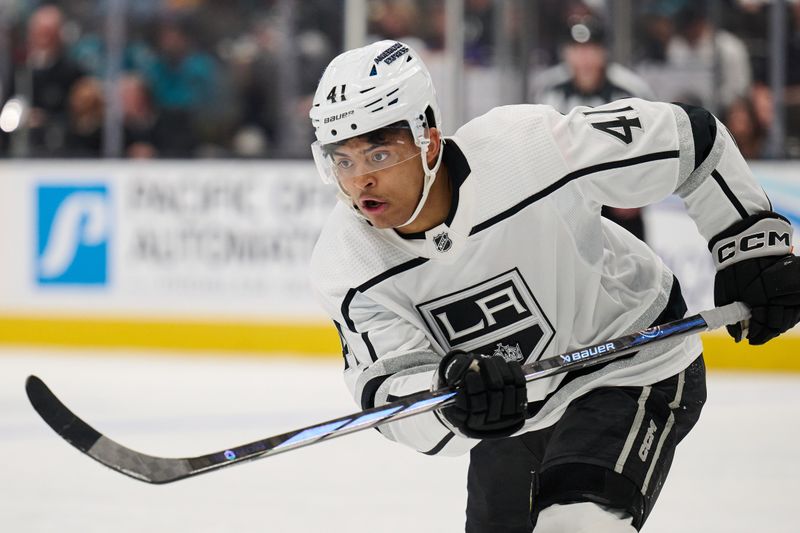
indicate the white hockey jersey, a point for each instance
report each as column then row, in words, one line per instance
column 524, row 266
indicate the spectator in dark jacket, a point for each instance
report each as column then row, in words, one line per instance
column 52, row 75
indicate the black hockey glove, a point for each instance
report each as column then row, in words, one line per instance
column 493, row 396
column 755, row 266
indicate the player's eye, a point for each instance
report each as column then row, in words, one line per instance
column 380, row 157
column 344, row 164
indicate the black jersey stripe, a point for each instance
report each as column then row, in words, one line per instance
column 345, row 350
column 655, row 156
column 370, row 347
column 704, row 131
column 729, row 194
column 402, row 267
column 618, row 110
column 442, row 443
column 370, row 389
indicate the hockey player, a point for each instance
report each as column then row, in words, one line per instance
column 451, row 261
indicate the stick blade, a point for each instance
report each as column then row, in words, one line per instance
column 91, row 442
column 59, row 417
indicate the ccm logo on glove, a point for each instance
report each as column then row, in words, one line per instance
column 768, row 236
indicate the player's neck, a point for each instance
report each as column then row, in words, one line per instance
column 437, row 205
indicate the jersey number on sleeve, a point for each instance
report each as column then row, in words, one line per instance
column 618, row 127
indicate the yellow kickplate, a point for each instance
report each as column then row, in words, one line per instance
column 313, row 339
column 256, row 338
column 778, row 355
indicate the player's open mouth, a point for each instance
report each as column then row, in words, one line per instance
column 372, row 206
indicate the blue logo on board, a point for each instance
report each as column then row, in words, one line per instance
column 73, row 234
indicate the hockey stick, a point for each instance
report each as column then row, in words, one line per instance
column 165, row 470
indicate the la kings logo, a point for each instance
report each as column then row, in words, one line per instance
column 499, row 316
column 509, row 353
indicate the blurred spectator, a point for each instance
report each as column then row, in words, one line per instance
column 479, row 32
column 699, row 44
column 52, row 75
column 185, row 84
column 654, row 32
column 749, row 20
column 762, row 103
column 399, row 20
column 741, row 120
column 274, row 93
column 254, row 67
column 585, row 77
column 181, row 77
column 89, row 51
column 85, row 110
column 145, row 135
column 394, row 19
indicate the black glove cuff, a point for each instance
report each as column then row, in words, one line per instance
column 761, row 235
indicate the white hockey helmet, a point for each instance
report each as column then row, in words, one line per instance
column 370, row 88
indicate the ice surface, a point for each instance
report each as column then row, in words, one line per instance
column 738, row 471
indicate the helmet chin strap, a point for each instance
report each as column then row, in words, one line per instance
column 430, row 175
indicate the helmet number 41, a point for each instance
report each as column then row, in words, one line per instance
column 332, row 95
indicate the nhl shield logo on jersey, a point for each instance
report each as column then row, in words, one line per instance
column 443, row 242
column 499, row 316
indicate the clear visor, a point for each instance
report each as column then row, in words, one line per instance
column 343, row 162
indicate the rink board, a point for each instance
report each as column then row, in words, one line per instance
column 213, row 256
column 309, row 340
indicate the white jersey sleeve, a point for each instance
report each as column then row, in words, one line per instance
column 711, row 176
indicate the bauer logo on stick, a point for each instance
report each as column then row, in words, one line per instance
column 588, row 353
